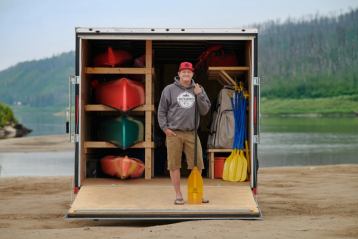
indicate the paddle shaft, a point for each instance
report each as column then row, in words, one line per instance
column 195, row 134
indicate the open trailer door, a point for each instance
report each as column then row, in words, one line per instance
column 142, row 200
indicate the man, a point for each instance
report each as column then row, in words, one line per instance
column 176, row 113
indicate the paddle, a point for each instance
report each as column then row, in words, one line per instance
column 195, row 180
column 243, row 130
column 235, row 167
column 231, row 161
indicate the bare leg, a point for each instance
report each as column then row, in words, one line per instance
column 175, row 177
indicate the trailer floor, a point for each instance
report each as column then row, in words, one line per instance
column 154, row 199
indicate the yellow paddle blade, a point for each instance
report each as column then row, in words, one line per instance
column 248, row 157
column 227, row 165
column 235, row 168
column 244, row 167
column 195, row 187
column 232, row 167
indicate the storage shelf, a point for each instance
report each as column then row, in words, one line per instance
column 118, row 70
column 105, row 144
column 211, row 157
column 219, row 150
column 100, row 108
column 230, row 69
column 225, row 73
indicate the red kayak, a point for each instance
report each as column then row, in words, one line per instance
column 122, row 94
column 122, row 167
column 112, row 57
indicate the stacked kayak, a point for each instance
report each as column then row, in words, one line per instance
column 112, row 57
column 122, row 94
column 123, row 131
column 122, row 167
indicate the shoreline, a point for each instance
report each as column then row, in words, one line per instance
column 310, row 115
column 337, row 106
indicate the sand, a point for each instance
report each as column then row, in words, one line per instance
column 297, row 202
column 36, row 144
column 305, row 202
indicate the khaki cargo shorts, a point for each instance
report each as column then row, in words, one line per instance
column 183, row 141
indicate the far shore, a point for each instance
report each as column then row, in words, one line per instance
column 37, row 144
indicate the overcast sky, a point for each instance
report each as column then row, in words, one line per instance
column 34, row 29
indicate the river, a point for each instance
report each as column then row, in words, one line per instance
column 284, row 142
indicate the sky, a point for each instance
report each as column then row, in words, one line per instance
column 36, row 29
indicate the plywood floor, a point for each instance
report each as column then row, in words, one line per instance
column 155, row 198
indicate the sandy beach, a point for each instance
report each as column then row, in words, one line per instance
column 297, row 202
column 36, row 144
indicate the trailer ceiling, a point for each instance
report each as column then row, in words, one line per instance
column 170, row 51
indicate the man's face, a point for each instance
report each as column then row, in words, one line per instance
column 185, row 76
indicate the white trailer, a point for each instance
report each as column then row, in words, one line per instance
column 151, row 197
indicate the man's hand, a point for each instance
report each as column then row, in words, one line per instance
column 197, row 89
column 169, row 132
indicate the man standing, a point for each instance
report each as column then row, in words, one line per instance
column 176, row 113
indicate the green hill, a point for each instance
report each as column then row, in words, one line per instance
column 38, row 83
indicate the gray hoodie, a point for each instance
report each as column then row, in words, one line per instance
column 176, row 107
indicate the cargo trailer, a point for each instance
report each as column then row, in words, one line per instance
column 98, row 196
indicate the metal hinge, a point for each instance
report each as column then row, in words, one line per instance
column 75, row 79
column 256, row 80
column 75, row 138
column 256, row 139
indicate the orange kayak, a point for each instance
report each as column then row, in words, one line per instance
column 122, row 167
column 122, row 94
column 112, row 57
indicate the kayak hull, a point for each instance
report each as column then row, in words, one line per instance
column 112, row 57
column 122, row 94
column 123, row 131
column 122, row 167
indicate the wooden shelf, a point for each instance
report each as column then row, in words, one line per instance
column 224, row 73
column 105, row 144
column 101, row 108
column 118, row 70
column 211, row 158
column 230, row 69
column 219, row 150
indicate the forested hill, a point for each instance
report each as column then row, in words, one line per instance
column 310, row 58
column 38, row 83
column 297, row 59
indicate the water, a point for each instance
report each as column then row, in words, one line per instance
column 41, row 121
column 284, row 142
column 37, row 164
column 308, row 141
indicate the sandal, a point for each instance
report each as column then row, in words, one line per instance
column 179, row 201
column 204, row 200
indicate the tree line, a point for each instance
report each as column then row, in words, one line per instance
column 308, row 58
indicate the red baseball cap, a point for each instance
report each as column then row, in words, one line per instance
column 186, row 66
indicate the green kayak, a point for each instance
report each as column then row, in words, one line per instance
column 123, row 131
